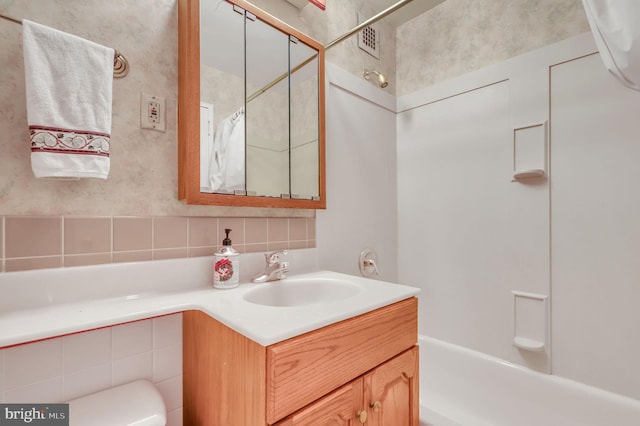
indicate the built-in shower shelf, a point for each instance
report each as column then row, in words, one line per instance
column 530, row 151
column 528, row 174
column 528, row 344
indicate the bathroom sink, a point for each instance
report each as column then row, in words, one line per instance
column 302, row 292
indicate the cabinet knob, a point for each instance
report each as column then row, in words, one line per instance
column 376, row 406
column 362, row 416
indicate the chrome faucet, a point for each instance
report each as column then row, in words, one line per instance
column 274, row 269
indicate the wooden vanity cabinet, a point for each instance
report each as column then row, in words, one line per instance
column 335, row 372
column 387, row 396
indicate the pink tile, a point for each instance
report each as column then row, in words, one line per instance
column 203, row 232
column 33, row 236
column 132, row 233
column 297, row 244
column 38, row 242
column 281, row 245
column 236, row 224
column 27, row 264
column 278, row 229
column 87, row 235
column 169, row 232
column 256, row 230
column 170, row 253
column 311, row 228
column 87, row 259
column 132, row 256
column 240, row 248
column 201, row 251
column 256, row 248
column 297, row 229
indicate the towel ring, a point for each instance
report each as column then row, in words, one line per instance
column 120, row 65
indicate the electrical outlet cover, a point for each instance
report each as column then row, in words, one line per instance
column 152, row 112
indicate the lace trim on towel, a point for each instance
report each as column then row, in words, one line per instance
column 64, row 141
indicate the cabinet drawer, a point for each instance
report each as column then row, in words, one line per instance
column 302, row 369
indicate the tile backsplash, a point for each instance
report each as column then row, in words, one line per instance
column 36, row 242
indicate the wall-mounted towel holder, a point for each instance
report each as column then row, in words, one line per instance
column 120, row 63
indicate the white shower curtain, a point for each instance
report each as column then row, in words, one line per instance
column 615, row 25
column 226, row 168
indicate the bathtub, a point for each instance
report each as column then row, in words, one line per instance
column 459, row 386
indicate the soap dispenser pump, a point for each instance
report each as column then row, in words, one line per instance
column 226, row 269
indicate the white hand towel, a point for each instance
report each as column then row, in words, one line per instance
column 69, row 84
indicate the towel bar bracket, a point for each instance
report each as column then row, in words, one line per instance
column 120, row 65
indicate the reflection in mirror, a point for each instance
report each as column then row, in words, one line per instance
column 222, row 91
column 304, row 121
column 267, row 140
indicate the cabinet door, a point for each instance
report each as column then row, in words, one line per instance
column 391, row 391
column 339, row 408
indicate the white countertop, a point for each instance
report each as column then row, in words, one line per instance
column 36, row 305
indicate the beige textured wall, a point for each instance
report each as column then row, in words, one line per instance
column 460, row 36
column 143, row 178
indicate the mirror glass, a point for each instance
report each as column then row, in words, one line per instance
column 222, row 93
column 304, row 122
column 267, row 140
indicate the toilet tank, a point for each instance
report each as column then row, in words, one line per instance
column 137, row 403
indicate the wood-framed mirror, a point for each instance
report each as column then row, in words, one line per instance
column 251, row 119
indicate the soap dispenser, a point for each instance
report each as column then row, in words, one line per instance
column 226, row 268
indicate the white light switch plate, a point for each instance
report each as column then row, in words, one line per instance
column 152, row 112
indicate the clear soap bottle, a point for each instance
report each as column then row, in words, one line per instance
column 226, row 269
